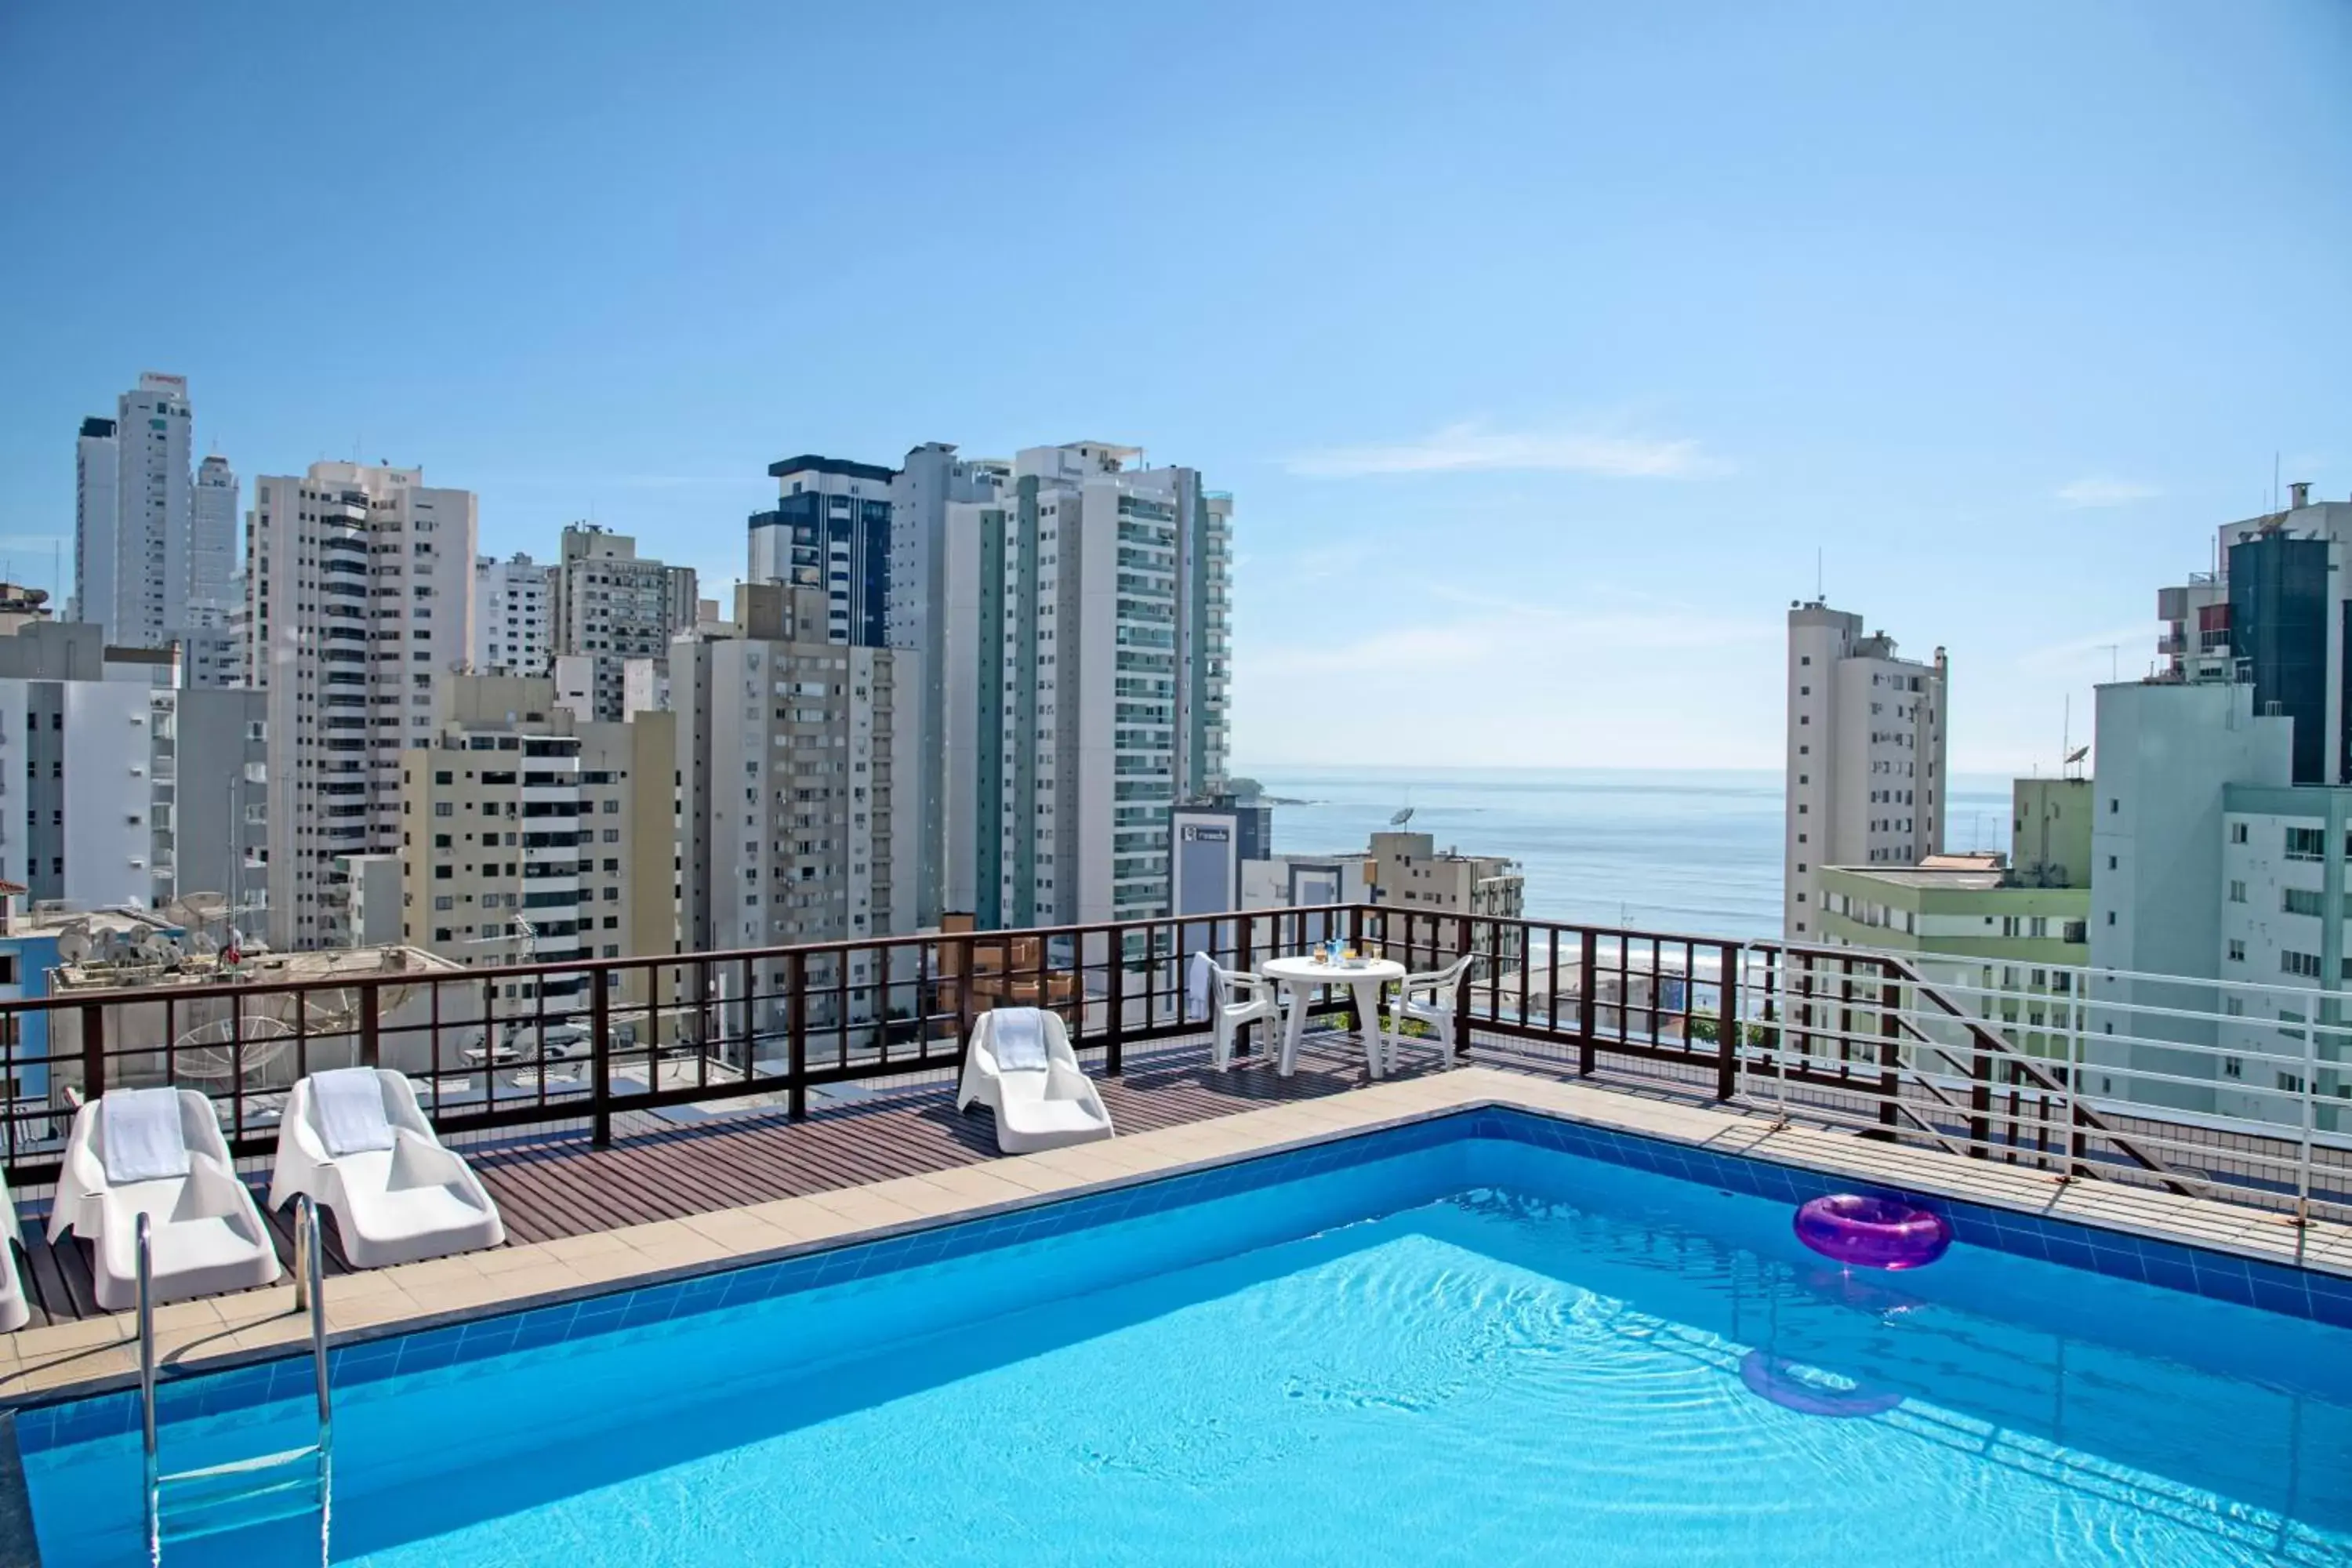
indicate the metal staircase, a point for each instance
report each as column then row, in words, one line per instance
column 239, row 1493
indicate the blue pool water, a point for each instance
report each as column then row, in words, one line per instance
column 1479, row 1350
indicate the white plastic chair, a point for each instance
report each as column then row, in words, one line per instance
column 1429, row 998
column 207, row 1234
column 1238, row 998
column 408, row 1200
column 15, row 1310
column 1049, row 1106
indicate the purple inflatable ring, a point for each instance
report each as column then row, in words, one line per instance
column 1777, row 1380
column 1877, row 1233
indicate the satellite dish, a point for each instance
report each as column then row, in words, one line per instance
column 158, row 950
column 202, row 946
column 214, row 1051
column 1401, row 817
column 73, row 945
column 2077, row 754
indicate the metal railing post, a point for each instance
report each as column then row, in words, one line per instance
column 1461, row 995
column 2310, row 1093
column 1588, row 984
column 371, row 1025
column 1890, row 1047
column 1727, row 1028
column 796, row 989
column 600, row 1071
column 93, row 1050
column 1115, row 998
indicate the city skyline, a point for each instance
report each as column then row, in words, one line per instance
column 1540, row 404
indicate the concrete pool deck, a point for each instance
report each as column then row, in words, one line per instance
column 70, row 1359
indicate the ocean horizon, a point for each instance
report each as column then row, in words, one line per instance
column 1695, row 851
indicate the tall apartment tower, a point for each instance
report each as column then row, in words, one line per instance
column 2274, row 616
column 360, row 595
column 153, row 555
column 98, row 465
column 875, row 540
column 790, row 765
column 514, row 616
column 211, row 651
column 831, row 529
column 1867, row 778
column 612, row 605
column 1087, row 619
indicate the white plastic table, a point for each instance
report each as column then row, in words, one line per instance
column 1300, row 977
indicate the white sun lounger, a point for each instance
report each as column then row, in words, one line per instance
column 207, row 1236
column 355, row 1139
column 1020, row 1066
column 15, row 1310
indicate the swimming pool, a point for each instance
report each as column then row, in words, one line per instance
column 1484, row 1337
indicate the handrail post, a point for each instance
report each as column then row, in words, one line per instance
column 600, row 1042
column 311, row 1287
column 152, row 1491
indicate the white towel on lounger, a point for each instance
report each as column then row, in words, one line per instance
column 139, row 1130
column 351, row 1110
column 1018, row 1035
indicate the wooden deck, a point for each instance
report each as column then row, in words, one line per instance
column 555, row 1185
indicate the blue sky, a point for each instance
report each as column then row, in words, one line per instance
column 1543, row 345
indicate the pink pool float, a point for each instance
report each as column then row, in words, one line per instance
column 1873, row 1233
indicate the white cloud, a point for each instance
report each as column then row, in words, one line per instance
column 1447, row 674
column 2111, row 654
column 2096, row 491
column 1470, row 446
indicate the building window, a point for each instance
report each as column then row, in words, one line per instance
column 2292, row 900
column 2237, row 948
column 2304, row 965
column 2237, row 893
column 2237, row 833
column 2306, row 844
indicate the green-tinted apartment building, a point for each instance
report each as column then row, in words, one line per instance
column 2025, row 927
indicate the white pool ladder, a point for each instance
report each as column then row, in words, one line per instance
column 266, row 1487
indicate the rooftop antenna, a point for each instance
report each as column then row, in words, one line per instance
column 2113, row 649
column 1819, row 598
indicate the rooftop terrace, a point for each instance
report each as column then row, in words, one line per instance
column 627, row 1097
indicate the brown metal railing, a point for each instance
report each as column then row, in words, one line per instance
column 1855, row 1039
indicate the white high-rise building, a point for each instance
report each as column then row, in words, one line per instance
column 1866, row 779
column 130, row 790
column 514, row 616
column 98, row 467
column 360, row 592
column 1085, row 617
column 612, row 605
column 153, row 555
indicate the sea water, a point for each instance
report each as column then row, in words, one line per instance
column 1683, row 852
